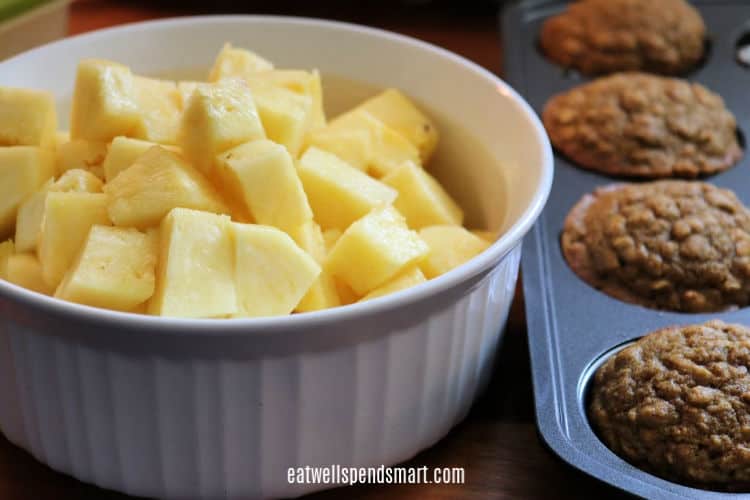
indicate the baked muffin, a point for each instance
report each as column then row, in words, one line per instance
column 674, row 245
column 677, row 404
column 605, row 36
column 639, row 125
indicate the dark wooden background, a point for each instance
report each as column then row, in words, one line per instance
column 497, row 444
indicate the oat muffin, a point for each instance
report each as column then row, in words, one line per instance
column 674, row 245
column 639, row 125
column 605, row 36
column 677, row 403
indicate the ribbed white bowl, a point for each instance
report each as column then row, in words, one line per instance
column 216, row 408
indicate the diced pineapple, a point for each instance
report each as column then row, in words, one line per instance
column 7, row 248
column 236, row 62
column 25, row 270
column 122, row 153
column 421, row 198
column 262, row 175
column 375, row 249
column 186, row 88
column 272, row 273
column 407, row 279
column 159, row 181
column 87, row 155
column 450, row 246
column 352, row 146
column 307, row 83
column 322, row 294
column 29, row 220
column 398, row 112
column 388, row 149
column 67, row 218
column 338, row 193
column 490, row 236
column 286, row 116
column 27, row 118
column 195, row 273
column 160, row 106
column 113, row 270
column 330, row 237
column 61, row 137
column 78, row 180
column 104, row 101
column 217, row 118
column 23, row 169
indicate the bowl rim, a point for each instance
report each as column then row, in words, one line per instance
column 247, row 326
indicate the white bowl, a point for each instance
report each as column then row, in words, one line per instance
column 218, row 408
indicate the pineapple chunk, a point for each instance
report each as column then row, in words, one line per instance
column 285, row 115
column 396, row 111
column 322, row 294
column 306, row 83
column 450, row 246
column 104, row 101
column 490, row 236
column 330, row 237
column 114, row 270
column 27, row 118
column 159, row 181
column 217, row 118
column 352, row 146
column 421, row 198
column 25, row 270
column 7, row 248
column 78, row 180
column 160, row 108
column 29, row 220
column 375, row 249
column 122, row 153
column 407, row 279
column 87, row 155
column 61, row 137
column 272, row 273
column 236, row 62
column 263, row 175
column 195, row 274
column 186, row 88
column 388, row 149
column 67, row 218
column 339, row 193
column 23, row 169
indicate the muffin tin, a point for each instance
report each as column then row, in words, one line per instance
column 573, row 327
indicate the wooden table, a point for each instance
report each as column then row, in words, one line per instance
column 497, row 444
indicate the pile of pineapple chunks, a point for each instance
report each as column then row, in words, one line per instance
column 233, row 197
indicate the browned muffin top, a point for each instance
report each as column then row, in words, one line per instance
column 633, row 124
column 677, row 403
column 605, row 36
column 676, row 245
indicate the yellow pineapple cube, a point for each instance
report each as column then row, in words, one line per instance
column 338, row 193
column 322, row 294
column 286, row 116
column 159, row 181
column 450, row 246
column 421, row 198
column 7, row 248
column 400, row 114
column 104, row 101
column 407, row 279
column 28, row 118
column 113, row 270
column 330, row 237
column 160, row 107
column 122, row 153
column 24, row 270
column 29, row 220
column 217, row 118
column 352, row 146
column 375, row 249
column 272, row 273
column 61, row 137
column 67, row 218
column 87, row 155
column 264, row 179
column 237, row 62
column 388, row 149
column 186, row 88
column 79, row 180
column 490, row 236
column 23, row 169
column 195, row 273
column 306, row 83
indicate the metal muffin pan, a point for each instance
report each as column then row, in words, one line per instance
column 572, row 326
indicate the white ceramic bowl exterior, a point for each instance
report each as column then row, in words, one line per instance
column 215, row 408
